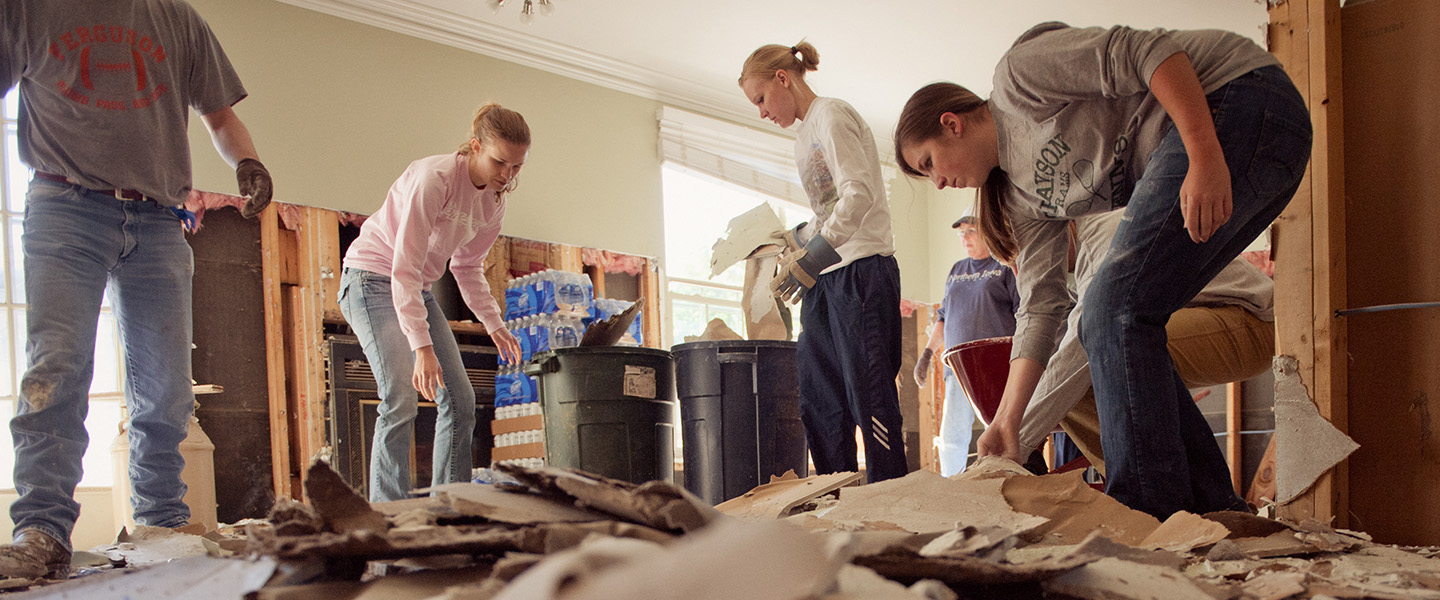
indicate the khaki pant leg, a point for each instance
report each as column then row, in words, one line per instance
column 1210, row 346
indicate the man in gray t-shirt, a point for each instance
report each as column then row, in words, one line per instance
column 105, row 93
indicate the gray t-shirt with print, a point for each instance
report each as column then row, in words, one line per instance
column 106, row 87
column 1077, row 124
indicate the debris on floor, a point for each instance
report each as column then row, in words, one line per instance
column 992, row 532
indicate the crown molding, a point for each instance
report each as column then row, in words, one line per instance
column 478, row 36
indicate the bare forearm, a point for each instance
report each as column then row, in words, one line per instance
column 231, row 137
column 1019, row 387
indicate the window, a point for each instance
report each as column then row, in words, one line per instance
column 107, row 387
column 714, row 171
column 698, row 208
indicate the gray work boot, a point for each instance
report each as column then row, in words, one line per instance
column 34, row 554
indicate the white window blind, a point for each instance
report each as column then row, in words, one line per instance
column 750, row 158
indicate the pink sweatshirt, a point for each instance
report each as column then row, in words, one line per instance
column 433, row 213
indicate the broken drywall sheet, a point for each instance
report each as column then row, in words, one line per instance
column 860, row 583
column 924, row 502
column 752, row 229
column 521, row 508
column 763, row 560
column 1112, row 579
column 427, row 583
column 193, row 578
column 763, row 320
column 1274, row 586
column 1185, row 531
column 1306, row 444
column 146, row 546
column 659, row 504
column 776, row 499
column 1075, row 509
column 344, row 510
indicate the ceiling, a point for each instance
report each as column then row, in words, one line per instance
column 688, row 52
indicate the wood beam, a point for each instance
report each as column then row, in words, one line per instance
column 1310, row 240
column 270, row 252
column 1234, row 408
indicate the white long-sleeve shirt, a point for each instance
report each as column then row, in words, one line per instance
column 432, row 214
column 840, row 169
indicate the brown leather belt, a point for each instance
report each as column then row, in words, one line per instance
column 121, row 194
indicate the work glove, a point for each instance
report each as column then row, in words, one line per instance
column 922, row 366
column 799, row 270
column 255, row 186
column 791, row 239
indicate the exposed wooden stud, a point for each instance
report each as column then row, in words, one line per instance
column 929, row 422
column 318, row 245
column 1234, row 406
column 270, row 250
column 1310, row 241
column 650, row 291
column 497, row 270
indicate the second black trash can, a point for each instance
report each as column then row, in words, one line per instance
column 740, row 415
column 609, row 410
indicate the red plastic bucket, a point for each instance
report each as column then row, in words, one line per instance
column 982, row 366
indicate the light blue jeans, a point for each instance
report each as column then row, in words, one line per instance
column 368, row 306
column 957, row 424
column 76, row 243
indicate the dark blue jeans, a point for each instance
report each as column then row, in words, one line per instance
column 1161, row 456
column 848, row 355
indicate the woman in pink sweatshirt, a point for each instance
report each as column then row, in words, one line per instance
column 445, row 207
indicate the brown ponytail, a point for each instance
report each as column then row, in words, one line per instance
column 994, row 222
column 768, row 59
column 920, row 121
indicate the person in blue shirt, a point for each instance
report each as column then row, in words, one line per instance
column 980, row 302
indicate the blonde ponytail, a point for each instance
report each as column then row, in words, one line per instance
column 768, row 59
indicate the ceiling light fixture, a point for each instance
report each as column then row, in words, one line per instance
column 528, row 8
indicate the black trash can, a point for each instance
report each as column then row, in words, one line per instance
column 609, row 410
column 740, row 415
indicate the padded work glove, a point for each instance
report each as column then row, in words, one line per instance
column 255, row 185
column 799, row 270
column 791, row 239
column 922, row 367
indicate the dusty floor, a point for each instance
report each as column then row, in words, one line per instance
column 995, row 532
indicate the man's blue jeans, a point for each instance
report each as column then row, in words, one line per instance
column 957, row 425
column 848, row 356
column 368, row 306
column 1161, row 454
column 76, row 243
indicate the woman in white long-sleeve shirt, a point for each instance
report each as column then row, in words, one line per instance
column 442, row 208
column 1199, row 136
column 843, row 263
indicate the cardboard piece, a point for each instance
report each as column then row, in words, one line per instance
column 860, row 583
column 659, row 504
column 1246, row 525
column 903, row 562
column 1282, row 543
column 533, row 450
column 990, row 543
column 1306, row 445
column 608, row 331
column 993, row 467
column 715, row 331
column 746, row 232
column 1098, row 546
column 514, row 424
column 1075, row 510
column 1115, row 579
column 521, row 508
column 776, row 499
column 431, row 541
column 1185, row 531
column 925, row 502
column 343, row 510
column 766, row 560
